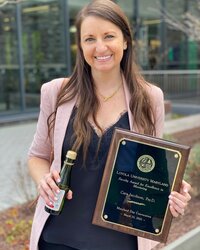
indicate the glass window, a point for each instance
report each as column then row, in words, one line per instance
column 128, row 7
column 44, row 45
column 149, row 38
column 9, row 67
column 40, row 29
column 193, row 20
column 176, row 44
column 165, row 39
column 74, row 8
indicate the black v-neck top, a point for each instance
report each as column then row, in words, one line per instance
column 73, row 227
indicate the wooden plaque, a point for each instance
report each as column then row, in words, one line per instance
column 140, row 173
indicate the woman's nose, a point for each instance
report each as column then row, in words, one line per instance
column 101, row 46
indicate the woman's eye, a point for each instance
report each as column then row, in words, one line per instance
column 89, row 39
column 109, row 36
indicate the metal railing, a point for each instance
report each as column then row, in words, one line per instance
column 176, row 83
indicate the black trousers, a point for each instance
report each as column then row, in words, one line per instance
column 43, row 245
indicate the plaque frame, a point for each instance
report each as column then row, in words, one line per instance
column 123, row 134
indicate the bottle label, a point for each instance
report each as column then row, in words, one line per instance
column 56, row 204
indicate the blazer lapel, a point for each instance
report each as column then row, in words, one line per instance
column 62, row 119
column 128, row 98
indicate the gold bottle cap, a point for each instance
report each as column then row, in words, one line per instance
column 71, row 154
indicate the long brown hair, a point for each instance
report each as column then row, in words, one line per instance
column 81, row 83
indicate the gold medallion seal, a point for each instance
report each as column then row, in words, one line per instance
column 146, row 163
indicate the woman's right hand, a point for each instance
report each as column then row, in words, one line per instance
column 48, row 188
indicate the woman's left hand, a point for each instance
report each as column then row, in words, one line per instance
column 178, row 201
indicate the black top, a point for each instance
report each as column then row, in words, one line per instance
column 73, row 227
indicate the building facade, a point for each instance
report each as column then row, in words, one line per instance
column 37, row 43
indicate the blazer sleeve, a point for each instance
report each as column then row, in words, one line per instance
column 41, row 145
column 158, row 109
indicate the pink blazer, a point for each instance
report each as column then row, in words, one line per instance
column 41, row 146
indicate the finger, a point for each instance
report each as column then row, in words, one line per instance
column 69, row 195
column 185, row 187
column 179, row 198
column 47, row 185
column 44, row 195
column 47, row 190
column 173, row 211
column 187, row 196
column 55, row 175
column 177, row 204
column 177, row 208
column 52, row 181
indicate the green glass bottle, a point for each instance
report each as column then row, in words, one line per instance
column 64, row 184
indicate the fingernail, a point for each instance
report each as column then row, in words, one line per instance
column 58, row 180
column 58, row 191
column 50, row 204
column 55, row 198
column 185, row 190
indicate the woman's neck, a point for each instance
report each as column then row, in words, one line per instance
column 106, row 81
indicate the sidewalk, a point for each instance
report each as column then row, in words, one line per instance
column 15, row 140
column 185, row 123
column 185, row 130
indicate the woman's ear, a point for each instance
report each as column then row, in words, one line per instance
column 125, row 45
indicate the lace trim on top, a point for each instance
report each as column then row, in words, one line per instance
column 98, row 131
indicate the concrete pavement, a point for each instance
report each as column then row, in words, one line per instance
column 189, row 241
column 184, row 123
column 15, row 140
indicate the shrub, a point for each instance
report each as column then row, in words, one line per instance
column 192, row 173
column 15, row 222
column 23, row 184
column 15, row 227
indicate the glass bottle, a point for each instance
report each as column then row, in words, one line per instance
column 64, row 184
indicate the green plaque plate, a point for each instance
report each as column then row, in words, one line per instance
column 140, row 173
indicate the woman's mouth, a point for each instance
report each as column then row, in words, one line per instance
column 103, row 58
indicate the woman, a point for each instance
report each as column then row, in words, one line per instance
column 105, row 90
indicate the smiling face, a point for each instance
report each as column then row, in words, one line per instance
column 102, row 43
